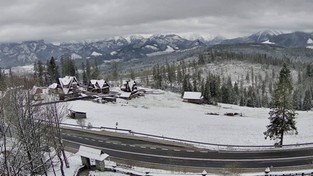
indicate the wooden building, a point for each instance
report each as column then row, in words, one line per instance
column 193, row 97
column 99, row 86
column 77, row 114
column 69, row 85
column 129, row 86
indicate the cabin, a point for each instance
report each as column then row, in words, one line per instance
column 88, row 153
column 69, row 85
column 193, row 97
column 129, row 86
column 99, row 86
column 77, row 114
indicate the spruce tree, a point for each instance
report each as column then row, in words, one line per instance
column 114, row 70
column 85, row 80
column 52, row 71
column 282, row 115
column 39, row 73
column 88, row 70
column 307, row 102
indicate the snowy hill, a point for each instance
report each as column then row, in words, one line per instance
column 166, row 115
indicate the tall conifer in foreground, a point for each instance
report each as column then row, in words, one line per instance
column 282, row 115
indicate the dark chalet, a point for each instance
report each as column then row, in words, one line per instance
column 99, row 86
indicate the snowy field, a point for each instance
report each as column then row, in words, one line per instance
column 166, row 115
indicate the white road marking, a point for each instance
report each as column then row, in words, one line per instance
column 164, row 149
column 190, row 151
column 100, row 141
column 196, row 159
column 176, row 150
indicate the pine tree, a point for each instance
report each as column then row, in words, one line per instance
column 68, row 67
column 296, row 100
column 282, row 115
column 114, row 70
column 2, row 80
column 96, row 72
column 88, row 71
column 206, row 92
column 52, row 71
column 131, row 74
column 84, row 75
column 39, row 73
column 307, row 102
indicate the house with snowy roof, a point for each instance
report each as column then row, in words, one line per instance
column 193, row 97
column 88, row 153
column 99, row 86
column 129, row 86
column 69, row 85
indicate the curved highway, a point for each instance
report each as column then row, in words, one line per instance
column 134, row 148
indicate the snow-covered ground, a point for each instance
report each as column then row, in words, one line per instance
column 166, row 115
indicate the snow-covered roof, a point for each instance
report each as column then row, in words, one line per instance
column 92, row 153
column 67, row 80
column 53, row 86
column 131, row 84
column 100, row 82
column 76, row 110
column 192, row 95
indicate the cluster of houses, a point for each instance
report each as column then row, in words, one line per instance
column 69, row 86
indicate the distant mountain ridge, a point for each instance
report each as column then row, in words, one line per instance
column 136, row 46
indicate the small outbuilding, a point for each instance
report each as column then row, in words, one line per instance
column 87, row 153
column 77, row 114
column 193, row 97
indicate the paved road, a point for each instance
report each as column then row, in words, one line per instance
column 147, row 150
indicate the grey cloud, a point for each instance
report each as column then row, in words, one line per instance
column 61, row 20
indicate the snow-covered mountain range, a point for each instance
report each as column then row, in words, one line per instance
column 137, row 46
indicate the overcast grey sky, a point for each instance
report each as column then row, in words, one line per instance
column 64, row 20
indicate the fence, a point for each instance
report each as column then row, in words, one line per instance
column 220, row 146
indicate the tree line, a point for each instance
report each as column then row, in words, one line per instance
column 254, row 90
column 46, row 74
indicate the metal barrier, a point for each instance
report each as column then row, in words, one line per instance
column 188, row 141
